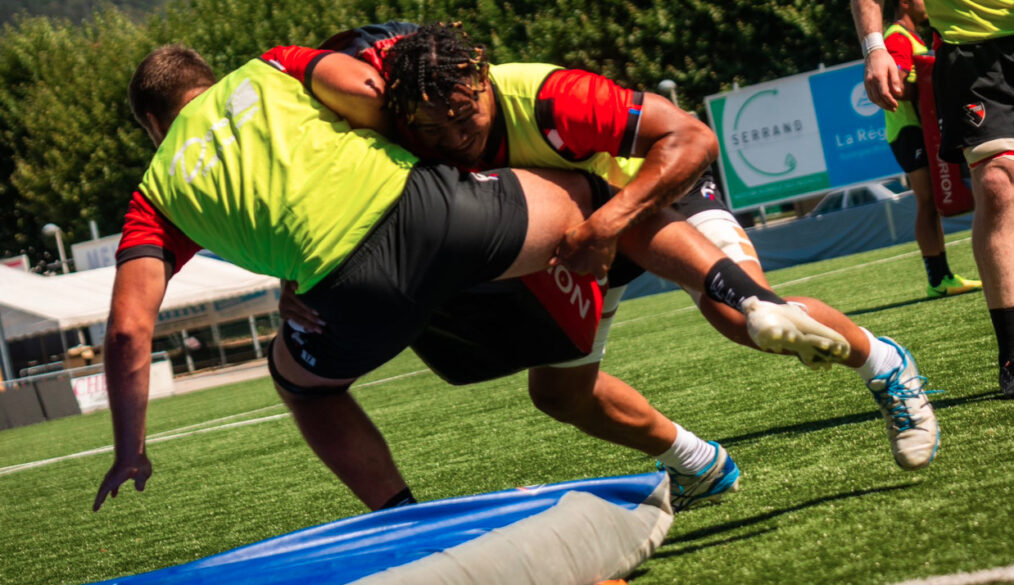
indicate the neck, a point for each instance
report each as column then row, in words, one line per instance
column 906, row 21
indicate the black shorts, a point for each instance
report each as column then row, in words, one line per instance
column 909, row 149
column 448, row 232
column 974, row 89
column 704, row 196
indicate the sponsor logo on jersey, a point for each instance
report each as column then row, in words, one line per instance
column 199, row 155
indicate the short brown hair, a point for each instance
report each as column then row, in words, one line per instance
column 163, row 78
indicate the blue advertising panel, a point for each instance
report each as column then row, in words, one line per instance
column 851, row 128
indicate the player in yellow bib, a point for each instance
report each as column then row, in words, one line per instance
column 973, row 83
column 256, row 168
column 904, row 135
column 545, row 116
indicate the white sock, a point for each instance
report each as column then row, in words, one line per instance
column 883, row 358
column 689, row 453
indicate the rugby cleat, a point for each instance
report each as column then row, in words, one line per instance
column 911, row 424
column 953, row 285
column 1007, row 380
column 720, row 478
column 789, row 329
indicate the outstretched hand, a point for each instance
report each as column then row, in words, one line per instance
column 137, row 468
column 586, row 248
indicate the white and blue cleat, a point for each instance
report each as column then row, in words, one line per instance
column 911, row 424
column 708, row 486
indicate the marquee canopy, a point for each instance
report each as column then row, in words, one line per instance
column 31, row 304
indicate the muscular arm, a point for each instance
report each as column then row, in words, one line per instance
column 353, row 90
column 677, row 148
column 882, row 80
column 138, row 290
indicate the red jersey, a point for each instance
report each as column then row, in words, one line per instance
column 581, row 113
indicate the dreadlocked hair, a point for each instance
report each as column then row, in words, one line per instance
column 427, row 66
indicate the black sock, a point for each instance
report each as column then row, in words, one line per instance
column 727, row 283
column 402, row 498
column 1003, row 325
column 936, row 268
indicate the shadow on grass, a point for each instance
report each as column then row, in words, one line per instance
column 939, row 403
column 901, row 304
column 668, row 548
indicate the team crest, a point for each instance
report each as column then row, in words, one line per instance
column 708, row 190
column 976, row 113
column 484, row 178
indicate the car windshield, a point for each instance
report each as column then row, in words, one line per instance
column 829, row 203
column 896, row 186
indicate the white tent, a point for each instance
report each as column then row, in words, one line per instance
column 31, row 304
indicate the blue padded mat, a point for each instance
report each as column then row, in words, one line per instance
column 347, row 550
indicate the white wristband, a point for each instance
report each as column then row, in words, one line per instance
column 872, row 42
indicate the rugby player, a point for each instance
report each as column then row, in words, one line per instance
column 973, row 83
column 483, row 116
column 260, row 172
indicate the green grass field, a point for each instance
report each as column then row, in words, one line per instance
column 821, row 499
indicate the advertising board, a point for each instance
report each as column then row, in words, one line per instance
column 797, row 136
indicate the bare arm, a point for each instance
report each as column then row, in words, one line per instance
column 352, row 89
column 677, row 148
column 882, row 79
column 137, row 293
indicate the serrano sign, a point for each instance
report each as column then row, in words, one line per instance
column 797, row 136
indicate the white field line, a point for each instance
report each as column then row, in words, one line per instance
column 204, row 428
column 796, row 281
column 858, row 266
column 984, row 577
column 188, row 430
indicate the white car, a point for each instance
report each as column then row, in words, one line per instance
column 862, row 194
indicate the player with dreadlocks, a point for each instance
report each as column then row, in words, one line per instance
column 449, row 102
column 476, row 325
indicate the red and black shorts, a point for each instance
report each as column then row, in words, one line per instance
column 448, row 232
column 974, row 89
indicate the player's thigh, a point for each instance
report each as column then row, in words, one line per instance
column 290, row 372
column 666, row 245
column 557, row 201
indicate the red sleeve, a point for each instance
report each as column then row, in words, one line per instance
column 582, row 113
column 148, row 234
column 901, row 49
column 296, row 61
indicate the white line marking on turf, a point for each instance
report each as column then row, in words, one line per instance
column 189, row 430
column 796, row 281
column 984, row 577
column 161, row 439
column 215, row 421
column 858, row 266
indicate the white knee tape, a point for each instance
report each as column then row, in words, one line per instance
column 724, row 231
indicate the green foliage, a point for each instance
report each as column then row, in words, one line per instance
column 71, row 151
column 73, row 10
